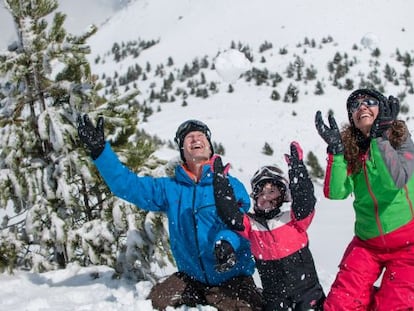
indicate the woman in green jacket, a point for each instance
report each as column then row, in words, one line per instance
column 373, row 158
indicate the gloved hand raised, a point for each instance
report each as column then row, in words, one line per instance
column 386, row 115
column 330, row 134
column 297, row 169
column 93, row 137
column 225, row 256
column 300, row 184
column 226, row 204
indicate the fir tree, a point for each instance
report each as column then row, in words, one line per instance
column 267, row 150
column 316, row 170
column 38, row 116
column 63, row 210
column 319, row 88
column 291, row 95
column 219, row 148
column 389, row 73
column 275, row 95
column 311, row 73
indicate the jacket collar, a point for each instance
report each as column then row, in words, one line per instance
column 183, row 174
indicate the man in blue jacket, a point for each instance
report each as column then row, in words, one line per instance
column 196, row 232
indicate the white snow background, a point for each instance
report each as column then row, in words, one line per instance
column 242, row 121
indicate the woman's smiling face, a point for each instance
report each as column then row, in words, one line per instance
column 364, row 116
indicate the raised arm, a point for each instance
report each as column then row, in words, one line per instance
column 300, row 184
column 226, row 204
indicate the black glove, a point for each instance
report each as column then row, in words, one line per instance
column 297, row 169
column 330, row 134
column 300, row 184
column 387, row 114
column 226, row 204
column 225, row 256
column 93, row 137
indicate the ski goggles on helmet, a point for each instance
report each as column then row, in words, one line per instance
column 189, row 126
column 358, row 101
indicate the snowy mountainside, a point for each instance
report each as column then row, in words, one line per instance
column 197, row 28
column 244, row 120
column 280, row 122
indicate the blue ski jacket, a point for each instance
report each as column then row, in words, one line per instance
column 194, row 225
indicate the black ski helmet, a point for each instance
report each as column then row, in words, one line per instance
column 190, row 126
column 271, row 174
column 363, row 92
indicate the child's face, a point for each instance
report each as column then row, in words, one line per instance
column 268, row 198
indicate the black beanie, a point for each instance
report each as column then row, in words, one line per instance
column 190, row 126
column 361, row 92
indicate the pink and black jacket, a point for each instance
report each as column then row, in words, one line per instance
column 280, row 248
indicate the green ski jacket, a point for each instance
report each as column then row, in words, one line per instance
column 383, row 189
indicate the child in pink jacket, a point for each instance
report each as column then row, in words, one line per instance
column 278, row 237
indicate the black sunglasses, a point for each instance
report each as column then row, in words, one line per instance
column 368, row 101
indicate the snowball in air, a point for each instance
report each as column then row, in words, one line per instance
column 369, row 41
column 231, row 64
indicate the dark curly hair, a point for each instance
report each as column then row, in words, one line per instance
column 356, row 143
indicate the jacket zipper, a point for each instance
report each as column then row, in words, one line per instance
column 374, row 199
column 410, row 203
column 196, row 237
